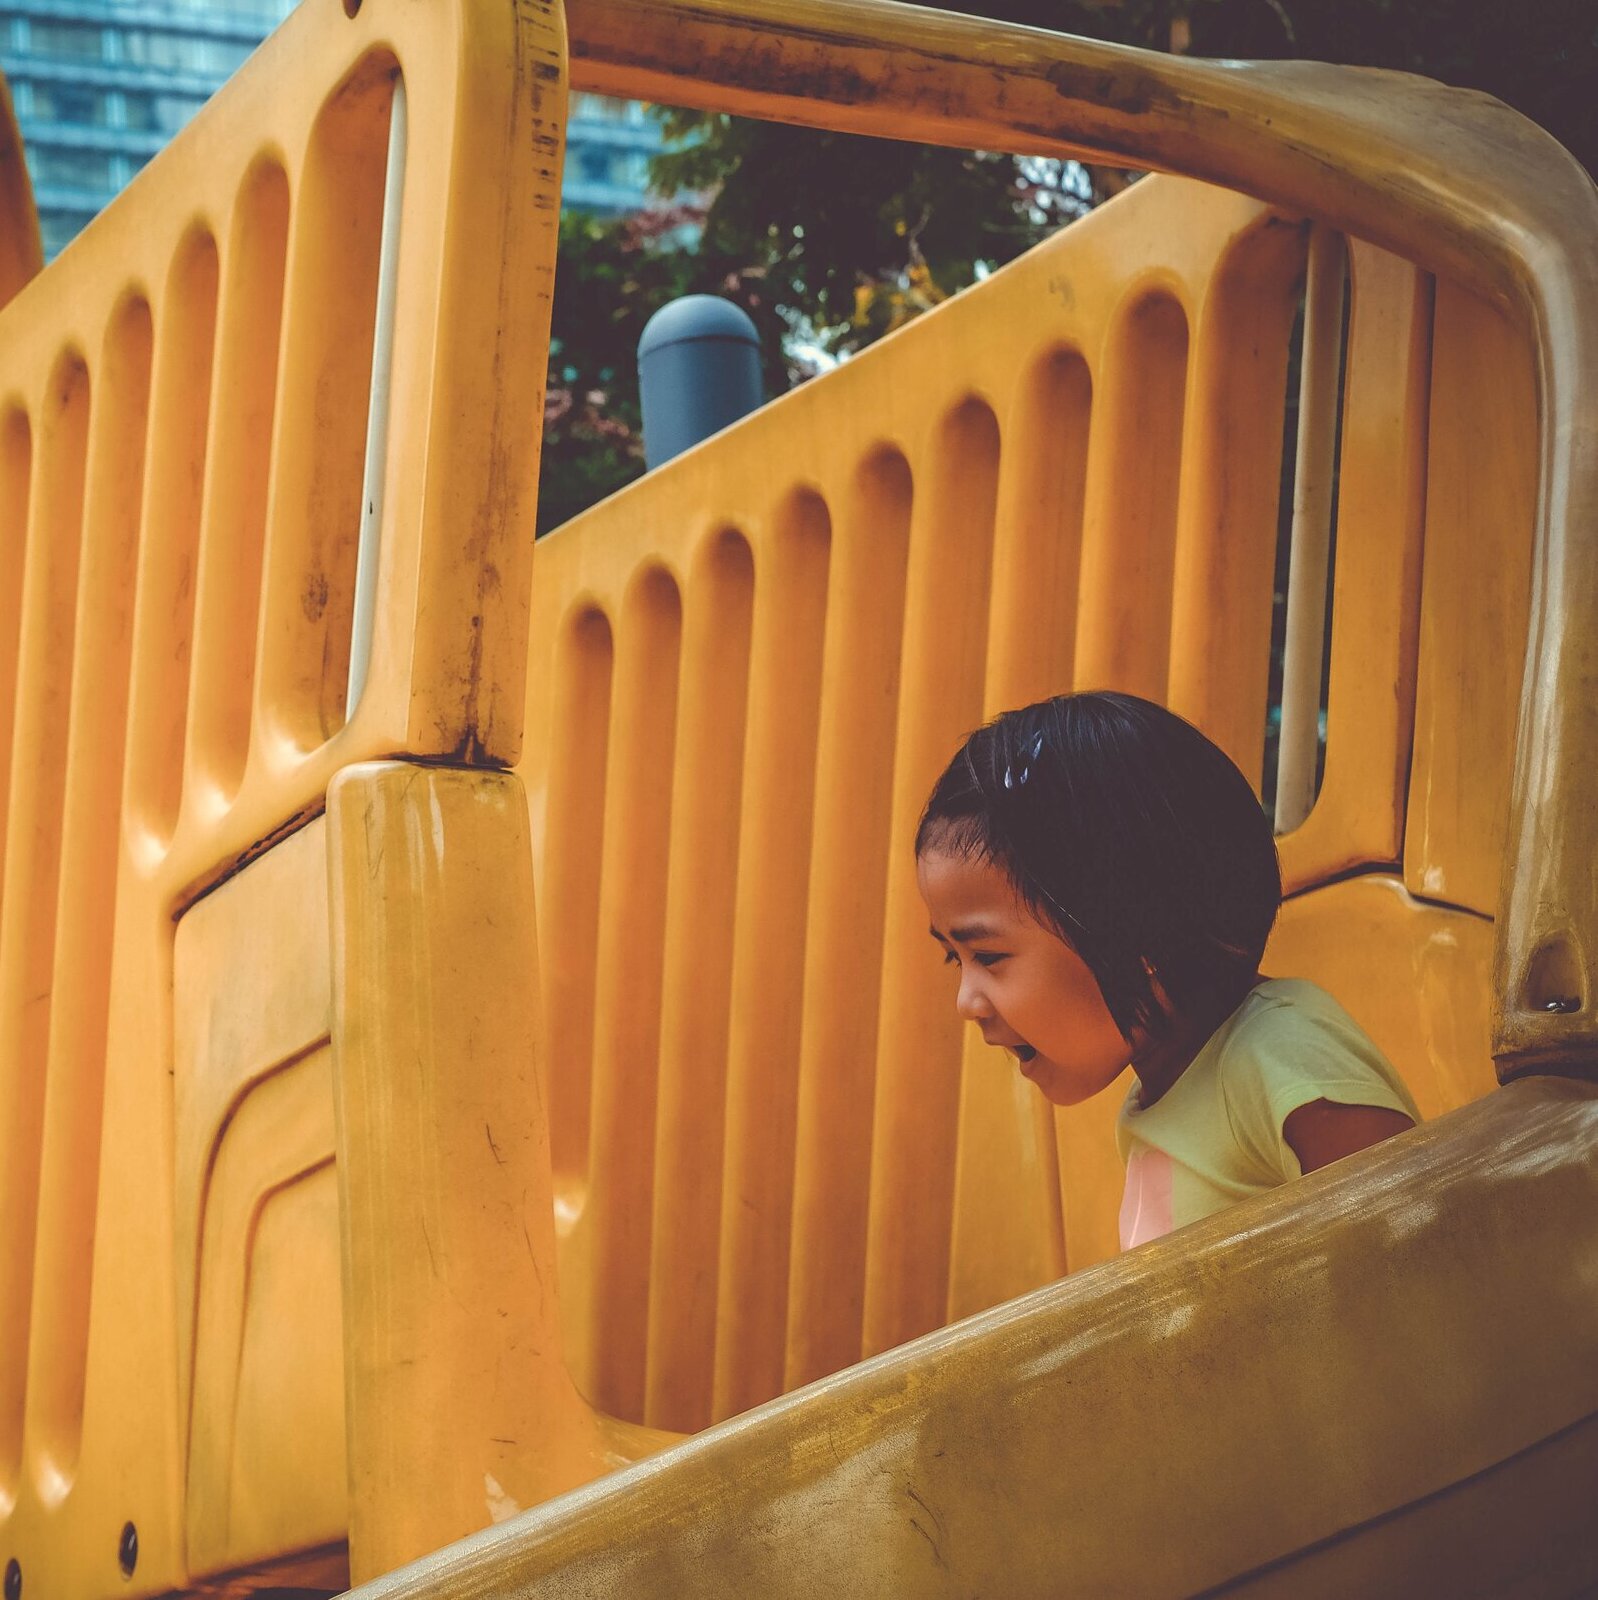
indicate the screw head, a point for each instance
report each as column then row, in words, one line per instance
column 13, row 1580
column 128, row 1549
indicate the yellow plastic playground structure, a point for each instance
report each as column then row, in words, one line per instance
column 480, row 1114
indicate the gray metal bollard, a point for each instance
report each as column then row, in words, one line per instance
column 698, row 370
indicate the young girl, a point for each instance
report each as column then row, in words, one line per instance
column 1105, row 879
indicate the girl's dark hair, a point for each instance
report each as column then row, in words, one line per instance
column 1129, row 834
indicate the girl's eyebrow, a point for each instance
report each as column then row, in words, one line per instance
column 968, row 931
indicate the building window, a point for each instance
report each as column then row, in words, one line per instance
column 605, row 108
column 159, row 113
column 71, row 103
column 69, row 41
column 262, row 14
column 60, row 228
column 171, row 52
column 71, row 169
column 630, row 169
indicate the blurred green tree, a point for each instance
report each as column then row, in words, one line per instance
column 613, row 274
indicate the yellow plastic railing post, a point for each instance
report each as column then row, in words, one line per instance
column 460, row 1410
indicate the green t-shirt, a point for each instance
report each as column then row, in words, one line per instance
column 1215, row 1136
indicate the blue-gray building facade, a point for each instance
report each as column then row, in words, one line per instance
column 608, row 146
column 99, row 87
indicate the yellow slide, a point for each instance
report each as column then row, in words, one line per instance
column 475, row 1087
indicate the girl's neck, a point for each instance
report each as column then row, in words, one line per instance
column 1164, row 1057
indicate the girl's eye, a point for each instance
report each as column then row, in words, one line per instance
column 983, row 958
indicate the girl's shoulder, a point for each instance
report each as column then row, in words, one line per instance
column 1289, row 1002
column 1296, row 1042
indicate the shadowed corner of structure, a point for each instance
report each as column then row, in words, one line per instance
column 21, row 254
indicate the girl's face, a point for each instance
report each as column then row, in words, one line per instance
column 1023, row 985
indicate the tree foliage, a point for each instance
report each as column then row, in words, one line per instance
column 831, row 240
column 612, row 276
column 853, row 236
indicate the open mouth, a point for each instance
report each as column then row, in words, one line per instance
column 1024, row 1053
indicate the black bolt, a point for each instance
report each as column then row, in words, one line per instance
column 13, row 1580
column 128, row 1549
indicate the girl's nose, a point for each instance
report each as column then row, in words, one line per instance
column 972, row 1002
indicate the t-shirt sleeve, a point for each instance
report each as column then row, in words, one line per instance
column 1285, row 1058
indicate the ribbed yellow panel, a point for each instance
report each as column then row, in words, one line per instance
column 775, row 1149
column 253, row 1119
column 184, row 405
column 818, row 1321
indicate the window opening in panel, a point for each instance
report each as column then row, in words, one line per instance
column 378, row 404
column 1306, row 550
